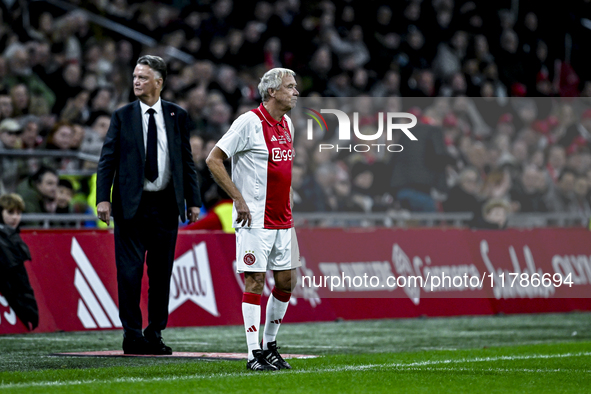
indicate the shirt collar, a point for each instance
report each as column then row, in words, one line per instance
column 270, row 120
column 157, row 107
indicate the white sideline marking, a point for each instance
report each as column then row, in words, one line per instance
column 403, row 366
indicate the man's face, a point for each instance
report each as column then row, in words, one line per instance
column 287, row 95
column 557, row 157
column 72, row 74
column 581, row 187
column 20, row 96
column 63, row 137
column 529, row 180
column 196, row 148
column 30, row 133
column 101, row 125
column 497, row 215
column 102, row 99
column 567, row 183
column 48, row 185
column 11, row 218
column 19, row 62
column 9, row 139
column 64, row 196
column 470, row 182
column 5, row 106
column 77, row 136
column 146, row 83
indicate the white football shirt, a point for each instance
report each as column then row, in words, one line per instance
column 261, row 149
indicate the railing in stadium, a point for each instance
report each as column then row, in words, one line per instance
column 341, row 219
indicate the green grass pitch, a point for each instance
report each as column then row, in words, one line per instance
column 549, row 353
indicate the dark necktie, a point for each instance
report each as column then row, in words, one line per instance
column 151, row 170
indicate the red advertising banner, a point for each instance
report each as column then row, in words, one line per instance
column 407, row 273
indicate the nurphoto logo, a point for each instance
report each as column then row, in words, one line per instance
column 392, row 120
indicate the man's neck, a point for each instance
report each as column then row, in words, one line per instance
column 276, row 113
column 149, row 101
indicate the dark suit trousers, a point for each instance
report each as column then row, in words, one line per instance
column 150, row 234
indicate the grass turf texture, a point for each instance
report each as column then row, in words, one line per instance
column 547, row 353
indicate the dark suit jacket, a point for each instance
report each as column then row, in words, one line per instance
column 123, row 159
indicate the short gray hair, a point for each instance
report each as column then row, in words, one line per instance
column 272, row 80
column 156, row 63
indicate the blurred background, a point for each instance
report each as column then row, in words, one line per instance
column 501, row 91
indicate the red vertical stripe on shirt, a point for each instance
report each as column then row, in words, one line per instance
column 280, row 147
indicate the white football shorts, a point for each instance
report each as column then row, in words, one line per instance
column 261, row 249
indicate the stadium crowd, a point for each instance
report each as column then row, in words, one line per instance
column 491, row 85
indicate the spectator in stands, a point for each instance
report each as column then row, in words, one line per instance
column 61, row 138
column 40, row 191
column 527, row 191
column 511, row 60
column 478, row 157
column 368, row 188
column 43, row 62
column 12, row 169
column 464, row 196
column 14, row 280
column 385, row 41
column 76, row 109
column 30, row 137
column 21, row 73
column 227, row 84
column 389, row 86
column 578, row 134
column 560, row 197
column 101, row 100
column 64, row 195
column 352, row 51
column 556, row 162
column 495, row 214
column 420, row 169
column 3, row 73
column 77, row 137
column 339, row 86
column 497, row 183
column 30, row 140
column 580, row 202
column 196, row 105
column 68, row 83
column 342, row 200
column 449, row 56
column 218, row 120
column 308, row 195
column 6, row 108
column 321, row 187
column 538, row 159
column 21, row 101
column 95, row 133
column 519, row 153
column 207, row 186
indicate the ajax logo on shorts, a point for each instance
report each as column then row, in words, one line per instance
column 282, row 154
column 249, row 258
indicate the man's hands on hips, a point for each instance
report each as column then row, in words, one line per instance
column 193, row 214
column 103, row 211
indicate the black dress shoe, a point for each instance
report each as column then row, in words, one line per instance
column 136, row 346
column 158, row 347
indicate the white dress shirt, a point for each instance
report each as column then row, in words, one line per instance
column 163, row 160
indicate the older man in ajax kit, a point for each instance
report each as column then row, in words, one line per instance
column 260, row 143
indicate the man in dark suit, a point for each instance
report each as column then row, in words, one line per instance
column 147, row 159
